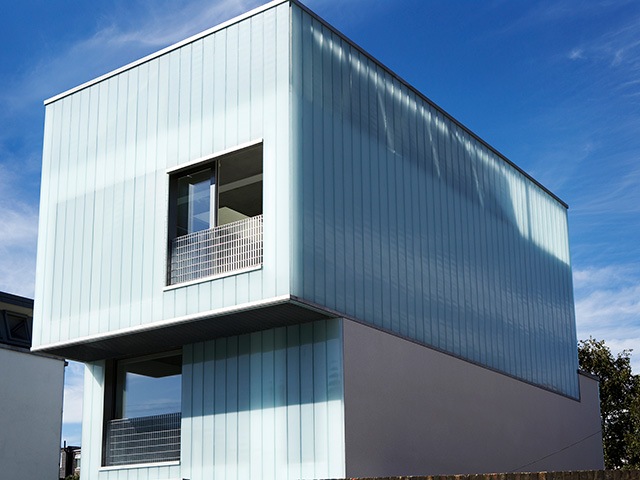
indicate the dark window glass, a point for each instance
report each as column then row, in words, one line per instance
column 194, row 202
column 18, row 329
column 146, row 420
column 150, row 386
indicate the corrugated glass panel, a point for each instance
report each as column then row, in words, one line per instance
column 103, row 242
column 267, row 405
column 408, row 222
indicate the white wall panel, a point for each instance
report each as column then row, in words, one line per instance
column 405, row 220
column 267, row 405
column 30, row 413
column 103, row 241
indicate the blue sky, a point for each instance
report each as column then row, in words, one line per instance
column 554, row 86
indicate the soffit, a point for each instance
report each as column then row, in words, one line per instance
column 176, row 335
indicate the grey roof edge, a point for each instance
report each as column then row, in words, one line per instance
column 590, row 375
column 273, row 4
column 16, row 300
column 27, row 351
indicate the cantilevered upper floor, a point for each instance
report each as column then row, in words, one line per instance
column 269, row 172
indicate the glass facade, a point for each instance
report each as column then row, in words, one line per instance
column 408, row 221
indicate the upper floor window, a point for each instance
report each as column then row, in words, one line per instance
column 215, row 216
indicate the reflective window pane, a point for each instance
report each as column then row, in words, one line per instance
column 150, row 386
column 194, row 202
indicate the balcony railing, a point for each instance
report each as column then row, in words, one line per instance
column 143, row 440
column 227, row 248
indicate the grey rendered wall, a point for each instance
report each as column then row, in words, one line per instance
column 410, row 410
column 103, row 229
column 30, row 414
column 405, row 220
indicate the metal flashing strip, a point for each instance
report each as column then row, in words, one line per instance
column 170, row 463
column 16, row 300
column 211, row 277
column 166, row 50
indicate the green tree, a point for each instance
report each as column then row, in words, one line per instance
column 619, row 402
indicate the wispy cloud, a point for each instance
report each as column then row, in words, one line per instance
column 18, row 238
column 576, row 54
column 73, row 391
column 72, row 405
column 117, row 41
column 608, row 307
column 613, row 56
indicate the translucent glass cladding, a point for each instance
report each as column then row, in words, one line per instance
column 406, row 220
column 268, row 405
column 103, row 225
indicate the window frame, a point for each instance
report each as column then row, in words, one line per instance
column 174, row 174
column 6, row 334
column 112, row 398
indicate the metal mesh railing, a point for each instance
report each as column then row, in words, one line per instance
column 143, row 439
column 216, row 251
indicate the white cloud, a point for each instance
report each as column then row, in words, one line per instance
column 19, row 237
column 576, row 54
column 608, row 307
column 124, row 37
column 73, row 391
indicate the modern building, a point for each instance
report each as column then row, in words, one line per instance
column 30, row 396
column 279, row 260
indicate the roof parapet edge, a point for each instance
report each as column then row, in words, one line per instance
column 17, row 300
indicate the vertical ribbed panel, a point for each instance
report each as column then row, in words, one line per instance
column 103, row 228
column 92, row 415
column 268, row 405
column 404, row 220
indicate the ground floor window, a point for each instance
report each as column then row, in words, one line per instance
column 143, row 410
